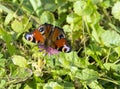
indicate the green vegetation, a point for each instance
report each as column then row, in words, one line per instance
column 92, row 28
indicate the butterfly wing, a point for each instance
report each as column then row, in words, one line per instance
column 49, row 36
column 59, row 40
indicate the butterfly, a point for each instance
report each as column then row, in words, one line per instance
column 49, row 36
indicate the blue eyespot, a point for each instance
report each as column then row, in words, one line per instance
column 29, row 37
column 61, row 36
column 66, row 49
column 41, row 29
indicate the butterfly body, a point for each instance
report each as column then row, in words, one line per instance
column 49, row 36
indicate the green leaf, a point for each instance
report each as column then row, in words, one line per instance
column 87, row 75
column 1, row 55
column 79, row 7
column 17, row 26
column 117, row 49
column 2, row 83
column 60, row 2
column 106, row 3
column 95, row 85
column 6, row 9
column 52, row 85
column 28, row 87
column 68, row 85
column 69, row 59
column 73, row 18
column 20, row 74
column 94, row 18
column 97, row 32
column 110, row 38
column 22, row 25
column 26, row 6
column 108, row 66
column 35, row 4
column 47, row 17
column 19, row 60
column 2, row 72
column 116, row 10
column 11, row 48
column 96, row 1
column 4, row 35
column 7, row 38
column 8, row 18
column 67, row 28
column 114, row 27
column 112, row 66
column 2, row 62
column 26, row 24
column 49, row 5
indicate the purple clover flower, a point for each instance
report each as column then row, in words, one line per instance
column 49, row 50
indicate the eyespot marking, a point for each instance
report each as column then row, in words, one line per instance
column 29, row 37
column 41, row 29
column 61, row 36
